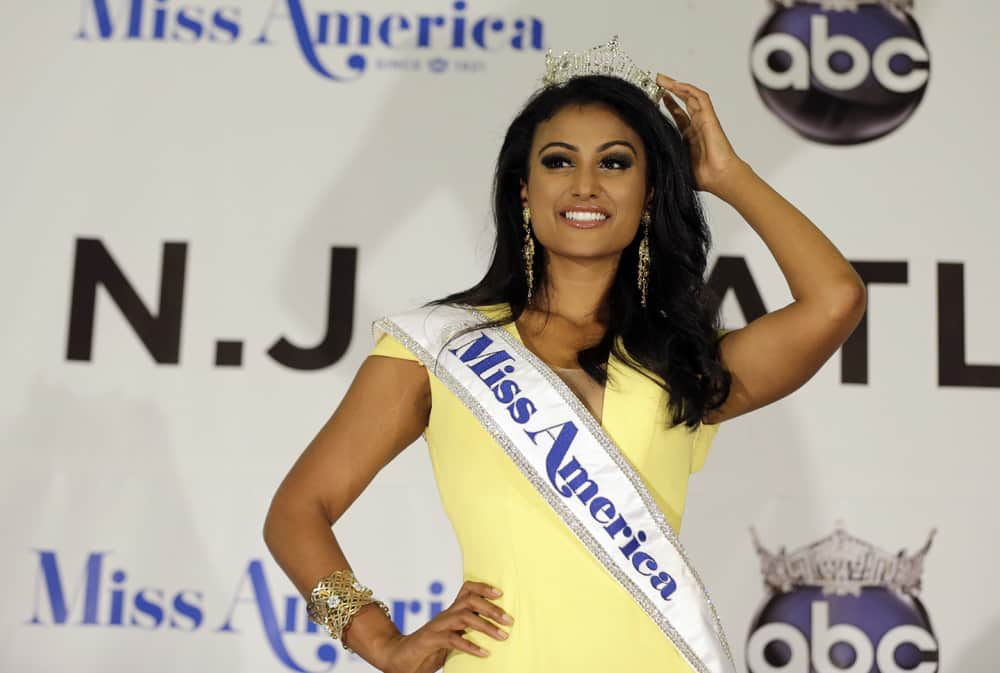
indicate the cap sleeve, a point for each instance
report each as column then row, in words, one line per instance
column 703, row 436
column 389, row 346
column 705, row 432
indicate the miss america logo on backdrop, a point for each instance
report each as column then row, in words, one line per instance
column 334, row 44
column 100, row 593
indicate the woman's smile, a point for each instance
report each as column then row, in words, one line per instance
column 584, row 218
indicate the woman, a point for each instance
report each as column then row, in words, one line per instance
column 597, row 279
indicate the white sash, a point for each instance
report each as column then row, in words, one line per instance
column 572, row 463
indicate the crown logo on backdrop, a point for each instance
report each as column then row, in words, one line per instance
column 605, row 59
column 849, row 5
column 841, row 564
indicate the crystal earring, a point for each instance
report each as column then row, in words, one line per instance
column 643, row 280
column 528, row 251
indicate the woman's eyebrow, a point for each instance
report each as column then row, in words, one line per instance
column 600, row 148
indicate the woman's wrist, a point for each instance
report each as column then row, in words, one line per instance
column 734, row 181
column 371, row 634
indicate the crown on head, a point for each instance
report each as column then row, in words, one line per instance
column 842, row 564
column 604, row 59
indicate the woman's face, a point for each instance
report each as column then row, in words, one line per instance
column 586, row 183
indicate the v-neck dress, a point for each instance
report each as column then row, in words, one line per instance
column 569, row 613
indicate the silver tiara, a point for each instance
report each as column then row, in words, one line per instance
column 841, row 564
column 604, row 59
column 849, row 5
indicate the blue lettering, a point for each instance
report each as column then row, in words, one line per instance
column 188, row 23
column 424, row 28
column 106, row 23
column 291, row 613
column 305, row 41
column 186, row 609
column 117, row 600
column 51, row 580
column 363, row 33
column 580, row 480
column 228, row 26
column 506, row 391
column 145, row 606
column 522, row 410
column 618, row 525
column 535, row 40
column 160, row 22
column 600, row 507
column 489, row 362
column 560, row 445
column 665, row 584
column 473, row 348
column 643, row 557
column 135, row 20
column 436, row 607
column 260, row 595
column 458, row 29
column 633, row 544
column 391, row 23
column 492, row 379
column 479, row 31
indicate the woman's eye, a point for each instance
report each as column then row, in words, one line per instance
column 610, row 162
column 616, row 162
column 555, row 161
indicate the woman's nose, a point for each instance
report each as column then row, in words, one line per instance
column 585, row 183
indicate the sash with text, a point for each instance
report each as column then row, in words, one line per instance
column 573, row 464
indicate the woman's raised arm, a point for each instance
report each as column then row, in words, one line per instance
column 778, row 352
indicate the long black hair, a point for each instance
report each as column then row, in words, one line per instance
column 674, row 338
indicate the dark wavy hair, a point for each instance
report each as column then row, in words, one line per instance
column 674, row 339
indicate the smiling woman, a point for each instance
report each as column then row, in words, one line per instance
column 583, row 168
column 567, row 397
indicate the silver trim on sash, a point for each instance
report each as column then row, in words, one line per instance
column 587, row 419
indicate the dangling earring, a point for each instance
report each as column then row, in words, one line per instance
column 644, row 258
column 528, row 251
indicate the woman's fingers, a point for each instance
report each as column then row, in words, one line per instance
column 457, row 642
column 487, row 609
column 478, row 589
column 473, row 621
column 470, row 616
column 695, row 99
column 469, row 612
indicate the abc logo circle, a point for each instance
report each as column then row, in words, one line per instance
column 879, row 631
column 841, row 77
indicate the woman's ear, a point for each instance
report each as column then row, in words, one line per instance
column 524, row 193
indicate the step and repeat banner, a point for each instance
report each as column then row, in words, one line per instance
column 206, row 203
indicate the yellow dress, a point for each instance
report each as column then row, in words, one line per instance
column 569, row 613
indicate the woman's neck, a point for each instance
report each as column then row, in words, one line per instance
column 576, row 290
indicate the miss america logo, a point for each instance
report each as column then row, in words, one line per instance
column 100, row 593
column 567, row 476
column 332, row 42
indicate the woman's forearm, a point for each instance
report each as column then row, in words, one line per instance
column 302, row 543
column 813, row 267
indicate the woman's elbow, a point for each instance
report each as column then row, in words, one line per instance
column 847, row 303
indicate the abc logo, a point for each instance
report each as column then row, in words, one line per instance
column 880, row 631
column 841, row 77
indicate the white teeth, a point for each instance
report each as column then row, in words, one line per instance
column 580, row 216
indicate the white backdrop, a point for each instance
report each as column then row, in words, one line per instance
column 135, row 490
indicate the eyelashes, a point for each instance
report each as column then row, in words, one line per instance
column 612, row 161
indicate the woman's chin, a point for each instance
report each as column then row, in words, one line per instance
column 593, row 251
